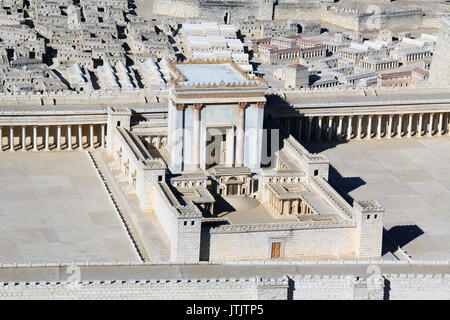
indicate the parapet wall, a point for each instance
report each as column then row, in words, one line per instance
column 296, row 287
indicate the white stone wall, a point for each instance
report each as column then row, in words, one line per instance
column 183, row 232
column 418, row 286
column 295, row 244
column 302, row 287
column 137, row 290
column 337, row 287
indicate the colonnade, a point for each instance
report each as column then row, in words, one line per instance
column 416, row 56
column 328, row 128
column 289, row 206
column 52, row 137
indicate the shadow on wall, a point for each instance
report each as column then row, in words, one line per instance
column 399, row 236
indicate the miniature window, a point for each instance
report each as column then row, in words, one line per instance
column 375, row 216
column 368, row 216
column 192, row 223
column 316, row 172
column 185, row 223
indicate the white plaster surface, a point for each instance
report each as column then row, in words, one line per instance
column 411, row 178
column 53, row 208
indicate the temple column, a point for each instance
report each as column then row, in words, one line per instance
column 380, row 117
column 240, row 136
column 349, row 128
column 308, row 132
column 319, row 129
column 80, row 136
column 339, row 129
column 24, row 139
column 299, row 129
column 448, row 124
column 359, row 129
column 58, row 138
column 69, row 137
column 46, row 138
column 103, row 135
column 369, row 128
column 410, row 122
column 91, row 136
column 330, row 127
column 1, row 138
column 196, row 137
column 440, row 125
column 389, row 130
column 11, row 138
column 399, row 128
column 419, row 126
column 35, row 138
column 430, row 128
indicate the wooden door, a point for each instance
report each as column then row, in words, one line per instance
column 276, row 249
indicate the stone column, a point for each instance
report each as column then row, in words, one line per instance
column 369, row 127
column 319, row 129
column 69, row 137
column 400, row 124
column 103, row 135
column 91, row 136
column 380, row 117
column 1, row 138
column 308, row 132
column 58, row 138
column 359, row 128
column 24, row 138
column 410, row 122
column 299, row 129
column 389, row 130
column 430, row 128
column 448, row 124
column 330, row 127
column 196, row 137
column 240, row 136
column 11, row 138
column 35, row 138
column 419, row 127
column 80, row 136
column 46, row 138
column 349, row 128
column 440, row 125
column 339, row 129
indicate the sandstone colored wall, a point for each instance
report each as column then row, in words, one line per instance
column 176, row 8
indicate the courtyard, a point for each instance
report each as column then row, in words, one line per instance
column 53, row 208
column 410, row 178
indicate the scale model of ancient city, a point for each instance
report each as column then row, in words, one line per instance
column 244, row 149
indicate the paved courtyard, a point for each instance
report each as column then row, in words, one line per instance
column 410, row 177
column 53, row 208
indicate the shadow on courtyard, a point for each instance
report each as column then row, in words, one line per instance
column 344, row 185
column 399, row 236
column 318, row 147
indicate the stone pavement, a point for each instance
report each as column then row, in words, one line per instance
column 147, row 231
column 53, row 208
column 410, row 178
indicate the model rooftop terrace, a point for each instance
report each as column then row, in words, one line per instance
column 212, row 74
